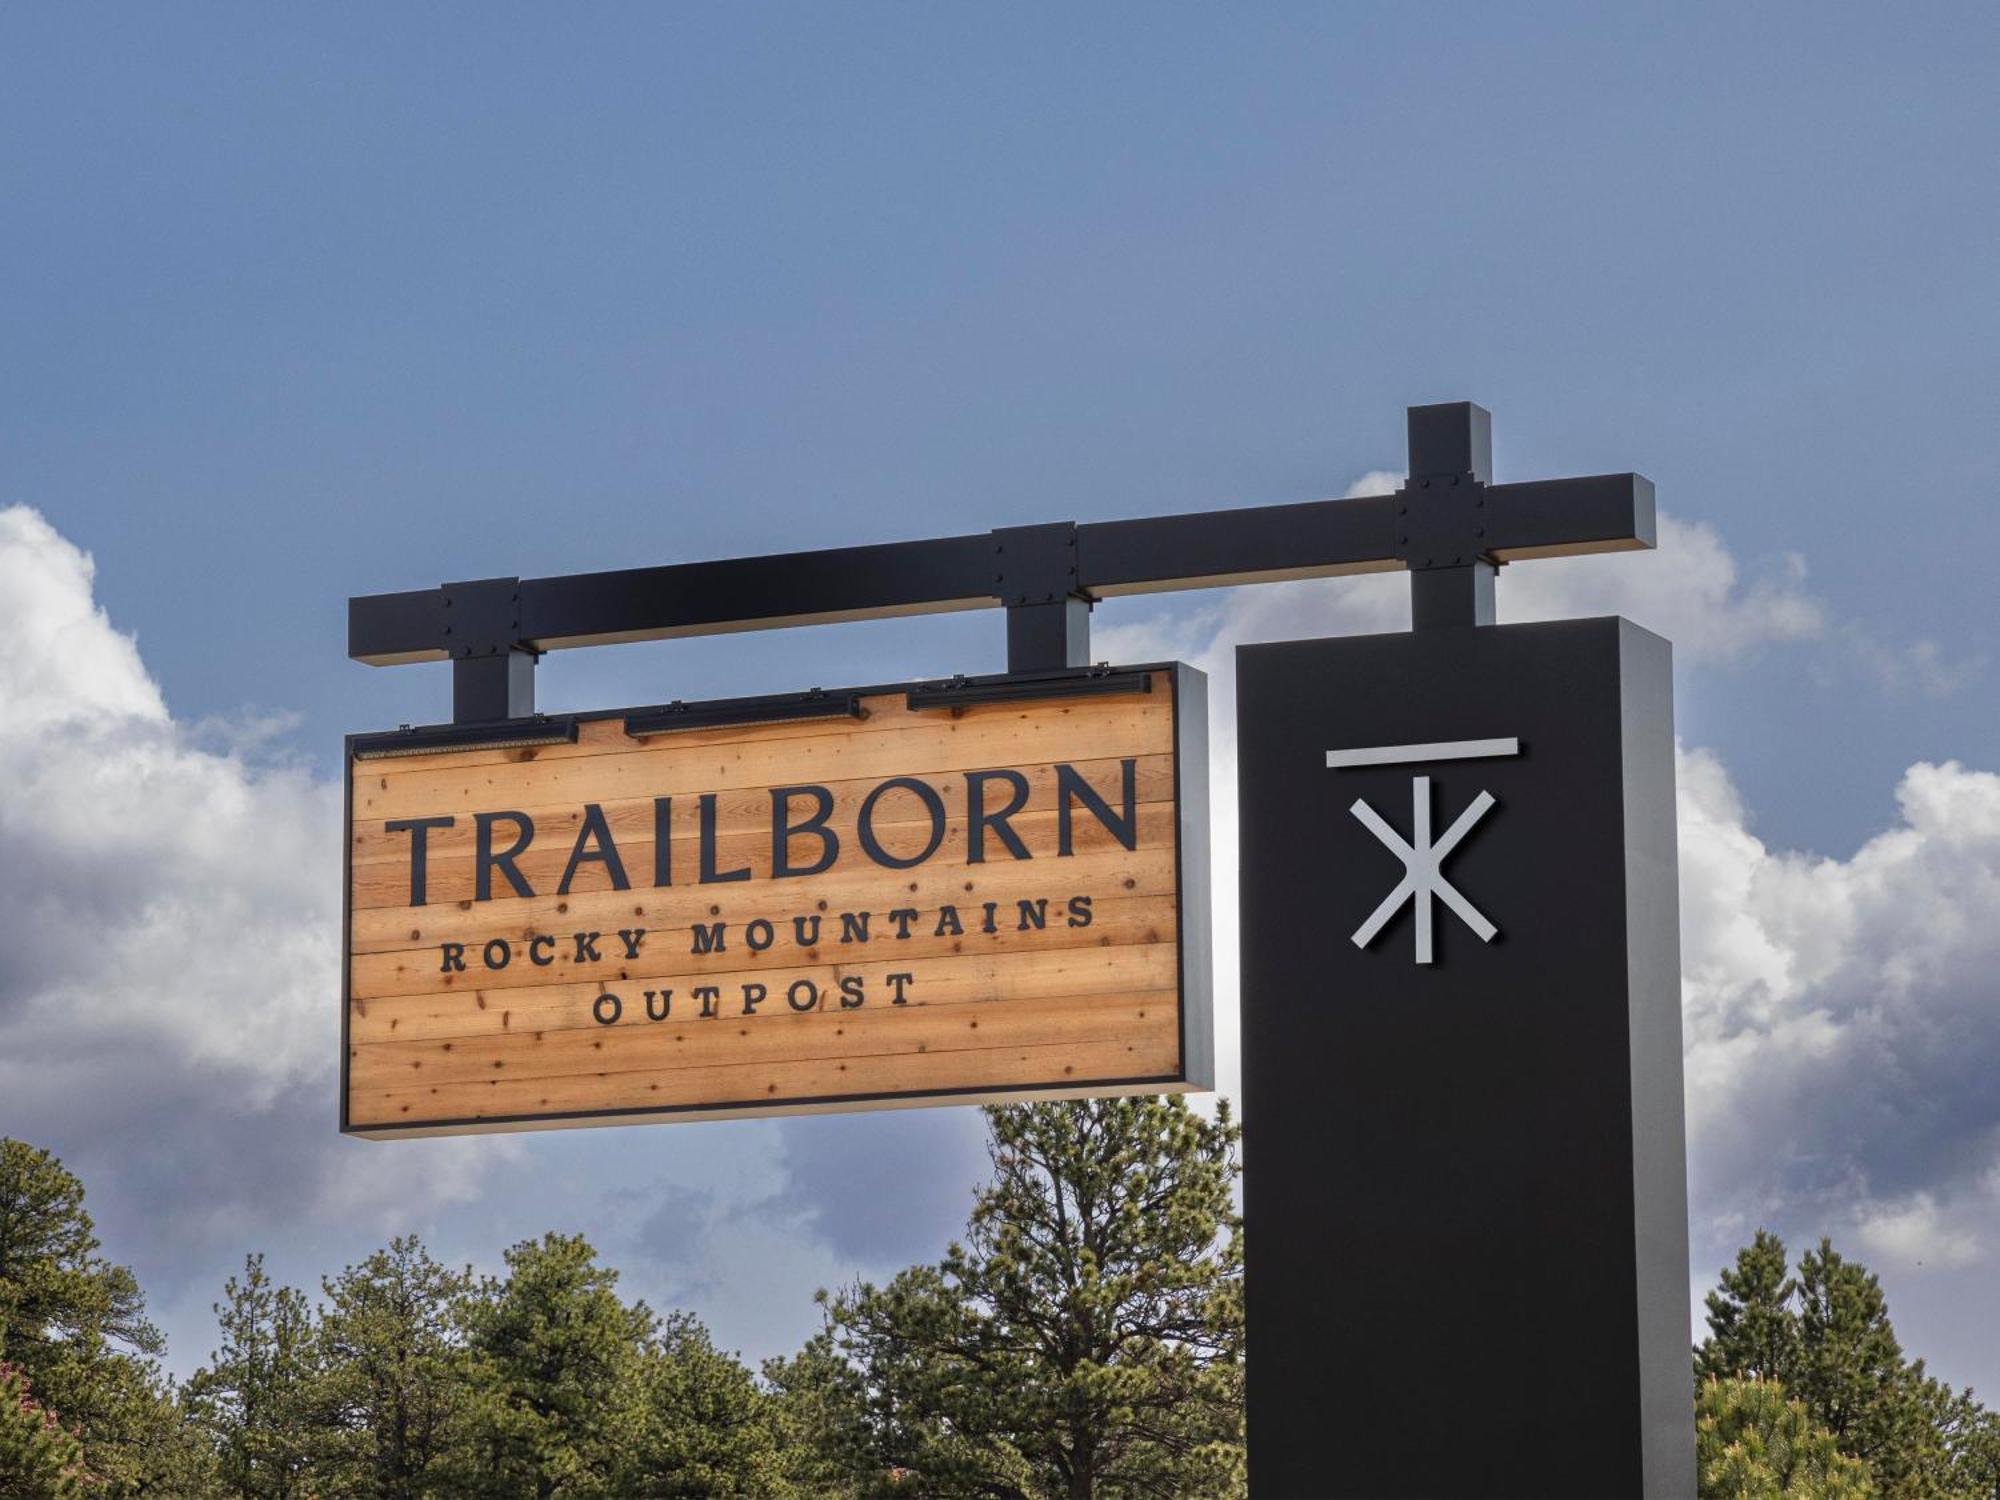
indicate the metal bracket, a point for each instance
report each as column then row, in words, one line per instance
column 1036, row 564
column 482, row 617
column 1441, row 522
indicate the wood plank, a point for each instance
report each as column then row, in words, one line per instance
column 674, row 1046
column 943, row 979
column 884, row 712
column 748, row 810
column 1057, row 1064
column 387, row 884
column 672, row 766
column 420, row 970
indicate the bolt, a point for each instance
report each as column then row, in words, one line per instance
column 1402, row 541
column 1454, row 479
column 1427, row 484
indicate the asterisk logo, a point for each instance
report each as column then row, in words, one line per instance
column 1423, row 877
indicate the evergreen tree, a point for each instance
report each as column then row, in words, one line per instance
column 39, row 1458
column 1850, row 1371
column 388, row 1342
column 1827, row 1332
column 260, row 1397
column 1086, row 1340
column 553, row 1367
column 74, row 1325
column 1752, row 1442
column 1753, row 1332
column 703, row 1427
column 819, row 1410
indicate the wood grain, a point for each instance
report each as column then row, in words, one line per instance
column 523, row 1033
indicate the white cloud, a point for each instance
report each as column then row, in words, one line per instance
column 169, row 944
column 1840, row 1031
column 1912, row 1235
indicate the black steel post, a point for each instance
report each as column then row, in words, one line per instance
column 1443, row 515
column 500, row 685
column 492, row 668
column 1037, row 575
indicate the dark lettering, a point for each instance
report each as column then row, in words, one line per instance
column 599, row 1006
column 757, row 933
column 709, row 874
column 595, row 831
column 850, row 991
column 419, row 830
column 805, row 936
column 486, row 861
column 506, row 953
column 663, row 1009
column 1033, row 914
column 708, row 937
column 978, row 819
column 854, row 926
column 630, row 937
column 1070, row 785
column 896, row 982
column 903, row 916
column 1079, row 911
column 454, row 958
column 535, row 946
column 707, row 994
column 811, row 994
column 663, row 841
column 948, row 923
column 933, row 808
column 783, row 830
column 753, row 996
column 586, row 947
column 990, row 907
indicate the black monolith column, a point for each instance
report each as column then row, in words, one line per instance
column 1465, row 1186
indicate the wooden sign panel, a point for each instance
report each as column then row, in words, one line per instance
column 906, row 901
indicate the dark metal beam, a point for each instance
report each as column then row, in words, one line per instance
column 1049, row 578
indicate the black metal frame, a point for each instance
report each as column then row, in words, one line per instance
column 1450, row 526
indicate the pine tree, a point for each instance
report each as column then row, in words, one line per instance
column 260, row 1397
column 39, row 1458
column 74, row 1324
column 390, row 1347
column 1850, row 1371
column 1753, row 1333
column 703, row 1427
column 553, row 1372
column 1086, row 1340
column 819, row 1410
column 1752, row 1442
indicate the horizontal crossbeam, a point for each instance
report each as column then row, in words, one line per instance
column 1255, row 544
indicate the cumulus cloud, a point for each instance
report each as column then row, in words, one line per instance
column 169, row 919
column 1841, row 1036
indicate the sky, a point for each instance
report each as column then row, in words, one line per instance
column 298, row 303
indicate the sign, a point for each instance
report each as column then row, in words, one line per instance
column 1462, row 1065
column 965, row 892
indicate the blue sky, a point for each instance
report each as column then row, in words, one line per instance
column 302, row 303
